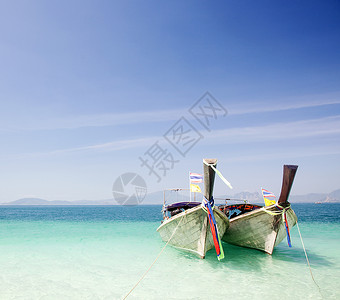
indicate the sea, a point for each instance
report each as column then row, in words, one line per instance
column 110, row 252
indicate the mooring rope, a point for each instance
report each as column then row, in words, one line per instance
column 281, row 210
column 304, row 249
column 147, row 271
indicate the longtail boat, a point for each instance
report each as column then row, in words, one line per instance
column 195, row 226
column 262, row 227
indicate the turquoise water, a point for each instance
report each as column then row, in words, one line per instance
column 101, row 252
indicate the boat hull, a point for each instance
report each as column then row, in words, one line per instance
column 259, row 229
column 190, row 230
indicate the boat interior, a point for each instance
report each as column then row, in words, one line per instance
column 232, row 211
column 176, row 208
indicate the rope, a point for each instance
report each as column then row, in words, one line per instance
column 304, row 249
column 281, row 210
column 147, row 271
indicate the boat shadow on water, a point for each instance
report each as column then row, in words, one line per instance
column 239, row 258
column 297, row 255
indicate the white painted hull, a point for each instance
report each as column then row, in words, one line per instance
column 258, row 229
column 193, row 232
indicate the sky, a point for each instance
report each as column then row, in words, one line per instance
column 91, row 90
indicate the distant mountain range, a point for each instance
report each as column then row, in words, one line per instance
column 38, row 201
column 333, row 197
column 157, row 199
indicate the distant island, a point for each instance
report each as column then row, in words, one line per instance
column 156, row 198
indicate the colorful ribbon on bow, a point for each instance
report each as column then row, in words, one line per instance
column 213, row 227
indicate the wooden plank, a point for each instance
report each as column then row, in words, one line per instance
column 209, row 177
column 289, row 172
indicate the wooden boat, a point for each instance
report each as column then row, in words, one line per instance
column 262, row 227
column 185, row 225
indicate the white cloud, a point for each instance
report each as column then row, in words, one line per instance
column 269, row 133
column 278, row 131
column 298, row 153
column 104, row 147
column 284, row 104
column 115, row 119
column 95, row 120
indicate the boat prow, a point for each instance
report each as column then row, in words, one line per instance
column 262, row 228
column 185, row 224
column 189, row 230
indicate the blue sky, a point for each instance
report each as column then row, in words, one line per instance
column 87, row 87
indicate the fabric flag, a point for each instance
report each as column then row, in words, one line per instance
column 222, row 177
column 219, row 175
column 196, row 178
column 194, row 188
column 268, row 197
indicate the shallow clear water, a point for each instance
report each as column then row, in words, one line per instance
column 86, row 252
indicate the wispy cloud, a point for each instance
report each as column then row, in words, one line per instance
column 284, row 104
column 298, row 153
column 278, row 131
column 110, row 146
column 95, row 148
column 95, row 120
column 270, row 133
column 138, row 117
